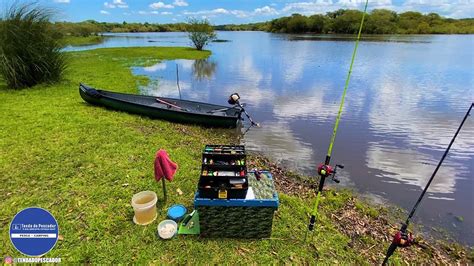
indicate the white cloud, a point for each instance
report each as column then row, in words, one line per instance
column 266, row 10
column 103, row 12
column 62, row 1
column 109, row 5
column 116, row 3
column 220, row 11
column 159, row 5
column 154, row 12
column 454, row 9
column 180, row 3
column 217, row 11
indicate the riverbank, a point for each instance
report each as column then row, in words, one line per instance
column 82, row 41
column 84, row 163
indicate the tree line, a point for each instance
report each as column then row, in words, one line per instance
column 378, row 21
column 92, row 27
column 342, row 21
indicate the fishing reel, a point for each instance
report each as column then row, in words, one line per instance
column 325, row 170
column 403, row 238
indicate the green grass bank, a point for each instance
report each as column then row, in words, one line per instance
column 84, row 163
column 82, row 41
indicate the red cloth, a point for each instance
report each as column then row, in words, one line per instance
column 164, row 167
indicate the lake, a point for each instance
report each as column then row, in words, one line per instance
column 406, row 98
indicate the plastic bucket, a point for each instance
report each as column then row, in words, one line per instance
column 144, row 205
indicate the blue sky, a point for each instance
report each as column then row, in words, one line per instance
column 232, row 11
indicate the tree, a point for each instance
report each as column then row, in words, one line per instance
column 348, row 22
column 381, row 21
column 200, row 32
column 297, row 24
column 316, row 23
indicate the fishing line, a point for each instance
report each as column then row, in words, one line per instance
column 324, row 170
column 402, row 238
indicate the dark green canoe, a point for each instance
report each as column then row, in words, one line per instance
column 164, row 108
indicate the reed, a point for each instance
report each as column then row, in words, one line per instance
column 30, row 49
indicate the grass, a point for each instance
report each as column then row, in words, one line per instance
column 84, row 163
column 81, row 41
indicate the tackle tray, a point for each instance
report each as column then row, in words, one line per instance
column 223, row 172
column 223, row 187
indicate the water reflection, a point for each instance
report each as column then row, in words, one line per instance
column 397, row 165
column 366, row 38
column 204, row 69
column 155, row 67
column 279, row 141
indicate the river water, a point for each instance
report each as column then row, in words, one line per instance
column 407, row 96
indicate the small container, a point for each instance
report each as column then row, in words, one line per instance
column 144, row 205
column 177, row 212
column 167, row 229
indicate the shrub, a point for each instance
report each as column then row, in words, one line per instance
column 200, row 32
column 30, row 51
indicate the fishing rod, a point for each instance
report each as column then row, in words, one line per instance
column 402, row 238
column 325, row 170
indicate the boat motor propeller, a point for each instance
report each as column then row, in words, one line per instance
column 234, row 99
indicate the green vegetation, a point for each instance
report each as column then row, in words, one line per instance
column 29, row 48
column 345, row 21
column 80, row 41
column 91, row 27
column 200, row 32
column 260, row 26
column 379, row 21
column 84, row 163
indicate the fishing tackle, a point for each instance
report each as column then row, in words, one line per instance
column 403, row 238
column 325, row 170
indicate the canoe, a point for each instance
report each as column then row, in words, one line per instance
column 170, row 109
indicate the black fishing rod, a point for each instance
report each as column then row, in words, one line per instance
column 402, row 238
column 325, row 170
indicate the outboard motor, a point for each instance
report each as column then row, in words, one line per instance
column 234, row 99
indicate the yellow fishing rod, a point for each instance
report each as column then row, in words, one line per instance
column 325, row 170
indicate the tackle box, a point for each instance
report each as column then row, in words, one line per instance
column 251, row 217
column 223, row 172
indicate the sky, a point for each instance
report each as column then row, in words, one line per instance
column 233, row 11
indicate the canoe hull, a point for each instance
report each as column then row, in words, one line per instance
column 159, row 113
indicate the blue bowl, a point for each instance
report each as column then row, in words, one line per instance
column 177, row 212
